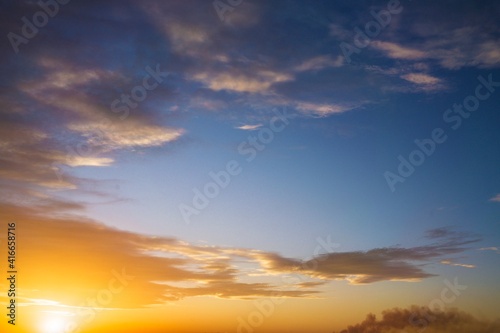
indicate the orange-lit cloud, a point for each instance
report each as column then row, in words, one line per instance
column 66, row 259
column 256, row 82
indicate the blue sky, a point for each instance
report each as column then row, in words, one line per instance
column 117, row 113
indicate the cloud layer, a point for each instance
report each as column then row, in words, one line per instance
column 60, row 87
column 168, row 269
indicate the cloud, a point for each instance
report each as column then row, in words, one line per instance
column 416, row 319
column 204, row 103
column 321, row 110
column 258, row 82
column 385, row 71
column 382, row 264
column 438, row 233
column 207, row 48
column 79, row 127
column 76, row 257
column 452, row 49
column 421, row 79
column 249, row 127
column 451, row 263
column 488, row 54
column 496, row 198
column 415, row 74
column 319, row 62
column 76, row 161
column 186, row 37
column 28, row 154
column 466, row 46
column 338, row 32
column 131, row 134
column 208, row 53
column 311, row 284
column 396, row 51
column 491, row 248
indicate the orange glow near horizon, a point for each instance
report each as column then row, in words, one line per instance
column 69, row 285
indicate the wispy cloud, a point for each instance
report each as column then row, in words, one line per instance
column 463, row 46
column 424, row 81
column 320, row 62
column 321, row 110
column 451, row 263
column 421, row 78
column 158, row 264
column 257, row 82
column 396, row 51
column 491, row 248
column 382, row 264
column 130, row 134
column 249, row 127
column 496, row 198
column 79, row 127
column 452, row 49
column 169, row 269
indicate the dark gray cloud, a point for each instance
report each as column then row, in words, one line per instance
column 419, row 319
column 381, row 264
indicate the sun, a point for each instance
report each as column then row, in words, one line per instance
column 53, row 324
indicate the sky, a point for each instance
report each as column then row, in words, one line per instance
column 250, row 166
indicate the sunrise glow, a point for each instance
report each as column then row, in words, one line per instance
column 249, row 166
